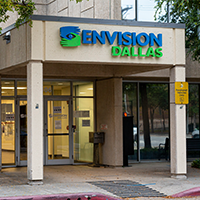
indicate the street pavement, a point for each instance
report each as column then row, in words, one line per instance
column 68, row 179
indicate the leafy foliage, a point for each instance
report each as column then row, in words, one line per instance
column 187, row 12
column 196, row 163
column 77, row 1
column 24, row 9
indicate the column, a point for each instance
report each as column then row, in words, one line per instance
column 109, row 113
column 35, row 122
column 177, row 127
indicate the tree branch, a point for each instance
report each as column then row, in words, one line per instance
column 21, row 4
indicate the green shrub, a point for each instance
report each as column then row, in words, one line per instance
column 196, row 163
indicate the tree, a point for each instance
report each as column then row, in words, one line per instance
column 24, row 9
column 187, row 12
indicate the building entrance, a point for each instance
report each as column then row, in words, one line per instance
column 58, row 131
column 68, row 118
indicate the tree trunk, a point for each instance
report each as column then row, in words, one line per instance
column 144, row 101
column 152, row 116
column 163, row 115
column 194, row 120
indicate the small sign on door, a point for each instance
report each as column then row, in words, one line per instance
column 85, row 123
column 10, row 117
column 58, row 124
column 57, row 109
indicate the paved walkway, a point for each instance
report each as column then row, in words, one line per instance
column 75, row 179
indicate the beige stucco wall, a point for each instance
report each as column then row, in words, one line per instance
column 18, row 51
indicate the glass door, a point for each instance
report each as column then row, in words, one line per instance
column 8, row 132
column 58, row 137
column 22, row 131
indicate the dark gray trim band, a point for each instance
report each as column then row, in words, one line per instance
column 99, row 21
column 106, row 21
column 9, row 28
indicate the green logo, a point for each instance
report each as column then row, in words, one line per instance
column 70, row 36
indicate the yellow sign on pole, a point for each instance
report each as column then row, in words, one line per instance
column 181, row 92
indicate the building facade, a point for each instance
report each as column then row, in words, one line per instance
column 81, row 69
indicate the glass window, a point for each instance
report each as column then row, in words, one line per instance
column 130, row 110
column 8, row 131
column 21, row 88
column 193, row 112
column 7, row 88
column 154, row 121
column 192, row 118
column 128, row 9
column 146, row 10
column 84, row 121
column 83, row 89
column 56, row 88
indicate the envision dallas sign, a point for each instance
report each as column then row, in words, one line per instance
column 129, row 43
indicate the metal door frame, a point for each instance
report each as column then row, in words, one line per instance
column 71, row 156
column 17, row 128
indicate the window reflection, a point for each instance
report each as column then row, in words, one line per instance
column 130, row 109
column 193, row 112
column 153, row 122
column 128, row 9
column 192, row 118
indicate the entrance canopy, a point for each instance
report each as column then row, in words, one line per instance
column 101, row 47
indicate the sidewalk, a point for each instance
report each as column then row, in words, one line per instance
column 84, row 179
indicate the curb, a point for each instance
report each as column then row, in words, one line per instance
column 78, row 196
column 191, row 192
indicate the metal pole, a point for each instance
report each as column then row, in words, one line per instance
column 198, row 30
column 136, row 10
column 138, row 123
column 168, row 13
